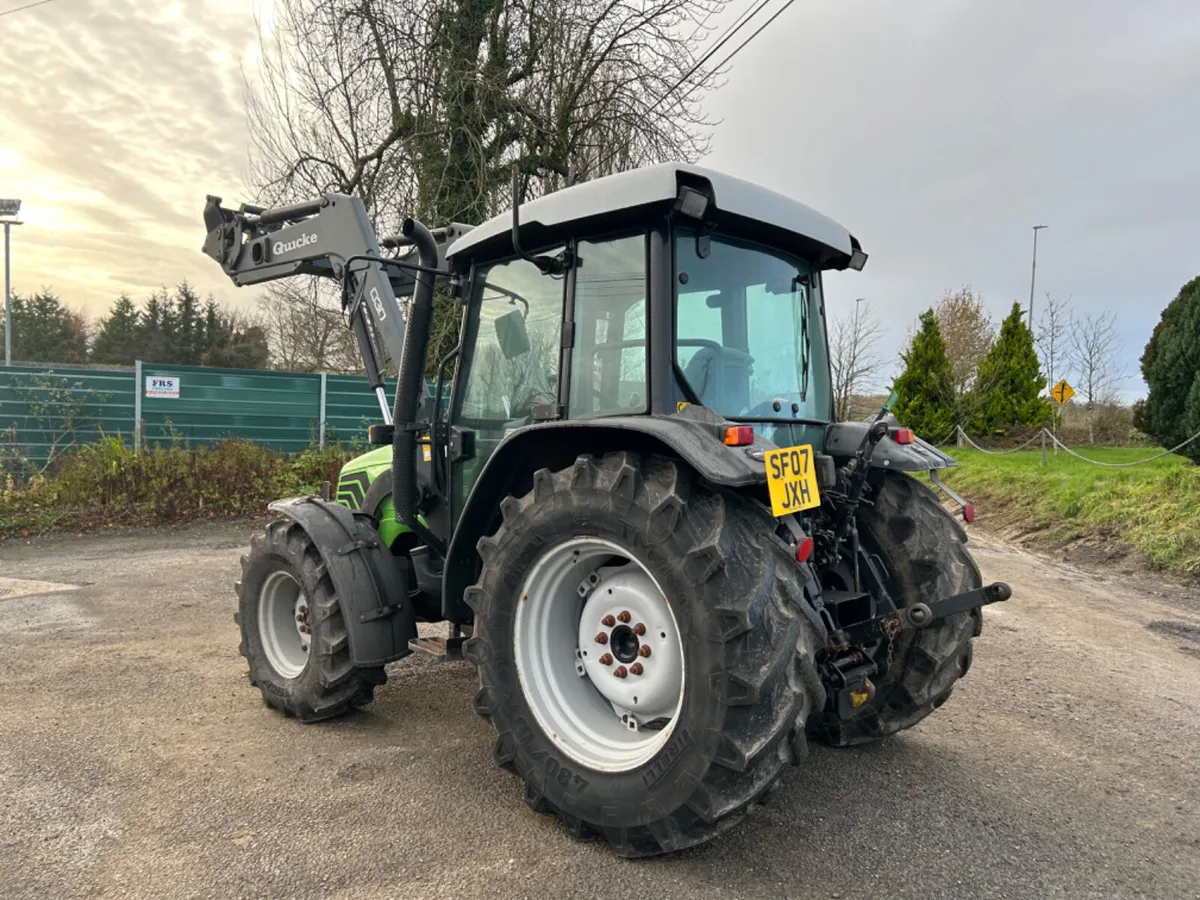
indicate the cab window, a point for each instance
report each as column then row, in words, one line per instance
column 608, row 359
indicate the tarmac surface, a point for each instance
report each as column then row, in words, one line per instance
column 136, row 760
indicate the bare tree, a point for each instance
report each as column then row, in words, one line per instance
column 854, row 357
column 1052, row 335
column 305, row 328
column 968, row 332
column 1093, row 355
column 420, row 107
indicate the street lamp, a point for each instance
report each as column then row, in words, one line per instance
column 1033, row 274
column 8, row 212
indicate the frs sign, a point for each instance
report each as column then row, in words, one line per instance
column 162, row 386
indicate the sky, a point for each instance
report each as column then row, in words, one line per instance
column 938, row 131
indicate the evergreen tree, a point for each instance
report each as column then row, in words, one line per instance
column 1009, row 384
column 118, row 341
column 158, row 328
column 188, row 338
column 44, row 330
column 244, row 348
column 1171, row 367
column 925, row 389
column 212, row 327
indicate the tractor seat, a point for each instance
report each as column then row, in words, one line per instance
column 720, row 377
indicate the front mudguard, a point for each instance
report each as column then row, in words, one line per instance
column 371, row 587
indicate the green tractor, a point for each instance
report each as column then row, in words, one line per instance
column 625, row 493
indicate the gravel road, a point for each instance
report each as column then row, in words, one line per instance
column 136, row 761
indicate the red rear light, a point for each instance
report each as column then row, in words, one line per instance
column 739, row 435
column 804, row 550
column 969, row 513
column 903, row 436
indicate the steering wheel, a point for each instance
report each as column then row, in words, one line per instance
column 607, row 402
column 698, row 342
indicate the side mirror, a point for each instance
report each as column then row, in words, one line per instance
column 796, row 285
column 512, row 334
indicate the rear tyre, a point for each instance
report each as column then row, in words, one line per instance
column 925, row 552
column 718, row 592
column 293, row 633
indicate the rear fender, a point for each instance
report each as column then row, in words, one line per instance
column 694, row 435
column 372, row 588
column 844, row 438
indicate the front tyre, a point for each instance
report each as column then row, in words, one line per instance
column 625, row 562
column 293, row 631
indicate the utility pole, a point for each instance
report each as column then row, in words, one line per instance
column 1033, row 274
column 8, row 212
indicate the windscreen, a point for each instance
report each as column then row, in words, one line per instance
column 750, row 336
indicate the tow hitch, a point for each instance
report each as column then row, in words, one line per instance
column 920, row 615
column 849, row 674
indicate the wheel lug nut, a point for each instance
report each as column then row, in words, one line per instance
column 300, row 618
column 304, row 610
column 624, row 615
column 644, row 650
column 606, row 659
column 608, row 621
column 636, row 669
column 639, row 629
column 602, row 637
column 620, row 672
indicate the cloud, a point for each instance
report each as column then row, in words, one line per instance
column 118, row 118
column 940, row 132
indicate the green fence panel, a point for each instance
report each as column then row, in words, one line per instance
column 44, row 407
column 351, row 407
column 205, row 405
column 45, row 410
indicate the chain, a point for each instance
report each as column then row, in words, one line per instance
column 891, row 628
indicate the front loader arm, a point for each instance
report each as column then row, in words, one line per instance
column 330, row 237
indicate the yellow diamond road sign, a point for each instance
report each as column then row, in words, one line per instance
column 1062, row 392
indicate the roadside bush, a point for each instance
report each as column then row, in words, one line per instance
column 107, row 483
column 1171, row 367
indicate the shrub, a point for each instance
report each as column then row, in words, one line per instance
column 107, row 483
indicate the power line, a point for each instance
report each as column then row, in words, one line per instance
column 708, row 54
column 756, row 33
column 734, row 24
column 9, row 12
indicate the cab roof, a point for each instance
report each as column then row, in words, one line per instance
column 622, row 195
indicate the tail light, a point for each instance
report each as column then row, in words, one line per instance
column 903, row 436
column 804, row 549
column 739, row 435
column 969, row 513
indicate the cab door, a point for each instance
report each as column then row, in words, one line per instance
column 508, row 367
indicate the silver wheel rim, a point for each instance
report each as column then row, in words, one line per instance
column 282, row 618
column 588, row 613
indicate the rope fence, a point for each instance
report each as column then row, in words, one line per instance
column 1045, row 433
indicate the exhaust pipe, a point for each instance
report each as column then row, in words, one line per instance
column 411, row 384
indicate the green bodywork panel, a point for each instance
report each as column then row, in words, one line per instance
column 354, row 482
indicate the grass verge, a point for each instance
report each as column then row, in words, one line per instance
column 1153, row 509
column 106, row 484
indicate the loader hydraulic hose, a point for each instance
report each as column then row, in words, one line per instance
column 410, row 387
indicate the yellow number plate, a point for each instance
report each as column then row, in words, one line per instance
column 791, row 480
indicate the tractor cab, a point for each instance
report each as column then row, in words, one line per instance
column 642, row 294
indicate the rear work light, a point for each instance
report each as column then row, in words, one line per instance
column 903, row 436
column 739, row 435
